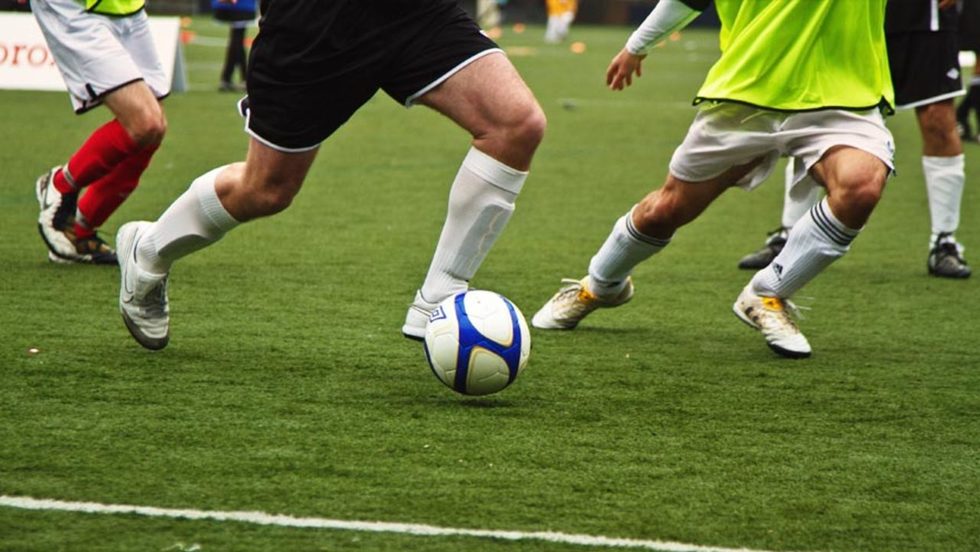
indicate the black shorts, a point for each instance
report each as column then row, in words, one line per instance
column 925, row 67
column 312, row 66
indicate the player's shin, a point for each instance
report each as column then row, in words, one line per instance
column 624, row 248
column 944, row 185
column 481, row 203
column 195, row 220
column 817, row 240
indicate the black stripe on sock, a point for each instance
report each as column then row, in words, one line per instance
column 638, row 236
column 828, row 228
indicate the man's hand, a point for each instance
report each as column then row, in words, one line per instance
column 943, row 4
column 619, row 75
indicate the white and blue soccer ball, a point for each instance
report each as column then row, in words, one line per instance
column 477, row 342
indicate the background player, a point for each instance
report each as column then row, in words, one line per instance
column 924, row 60
column 969, row 35
column 312, row 66
column 561, row 14
column 797, row 78
column 105, row 53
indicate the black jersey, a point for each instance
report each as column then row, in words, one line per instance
column 903, row 16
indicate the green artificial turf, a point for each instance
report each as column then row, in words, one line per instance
column 288, row 388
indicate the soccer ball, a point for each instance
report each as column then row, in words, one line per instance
column 477, row 342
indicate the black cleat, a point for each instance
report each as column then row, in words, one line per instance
column 761, row 258
column 945, row 259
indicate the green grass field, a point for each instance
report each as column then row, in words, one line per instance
column 288, row 389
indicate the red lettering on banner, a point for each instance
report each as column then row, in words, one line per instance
column 36, row 55
column 18, row 48
column 37, row 60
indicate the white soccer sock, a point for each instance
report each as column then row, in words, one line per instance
column 481, row 202
column 944, row 185
column 194, row 221
column 624, row 248
column 817, row 240
column 551, row 33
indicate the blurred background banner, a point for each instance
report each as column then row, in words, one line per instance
column 26, row 63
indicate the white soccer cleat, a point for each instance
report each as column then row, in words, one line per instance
column 142, row 295
column 417, row 317
column 573, row 302
column 773, row 317
column 56, row 218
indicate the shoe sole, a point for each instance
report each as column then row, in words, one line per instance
column 124, row 239
column 776, row 348
column 957, row 276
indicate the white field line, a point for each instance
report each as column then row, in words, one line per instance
column 262, row 518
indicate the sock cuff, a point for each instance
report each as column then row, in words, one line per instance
column 494, row 172
column 830, row 226
column 952, row 162
column 635, row 234
column 203, row 188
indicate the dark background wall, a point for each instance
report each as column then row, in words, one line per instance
column 610, row 12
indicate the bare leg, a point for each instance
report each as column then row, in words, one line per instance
column 945, row 174
column 489, row 100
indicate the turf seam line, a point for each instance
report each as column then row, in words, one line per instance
column 280, row 520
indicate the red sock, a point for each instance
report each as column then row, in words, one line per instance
column 108, row 146
column 105, row 195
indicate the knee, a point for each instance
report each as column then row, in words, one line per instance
column 523, row 130
column 863, row 193
column 270, row 198
column 149, row 128
column 529, row 131
column 658, row 215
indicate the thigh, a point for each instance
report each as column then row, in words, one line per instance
column 724, row 136
column 265, row 167
column 486, row 94
column 132, row 103
column 810, row 136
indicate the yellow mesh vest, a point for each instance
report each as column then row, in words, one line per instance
column 799, row 55
column 114, row 7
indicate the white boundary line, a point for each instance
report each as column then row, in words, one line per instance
column 262, row 518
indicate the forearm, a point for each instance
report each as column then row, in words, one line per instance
column 667, row 16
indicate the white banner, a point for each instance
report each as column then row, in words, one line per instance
column 26, row 63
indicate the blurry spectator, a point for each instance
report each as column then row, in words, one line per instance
column 239, row 16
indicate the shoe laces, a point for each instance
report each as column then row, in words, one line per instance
column 574, row 298
column 154, row 303
column 92, row 245
column 784, row 311
column 64, row 215
column 946, row 245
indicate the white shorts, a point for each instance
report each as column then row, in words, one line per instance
column 98, row 54
column 726, row 135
